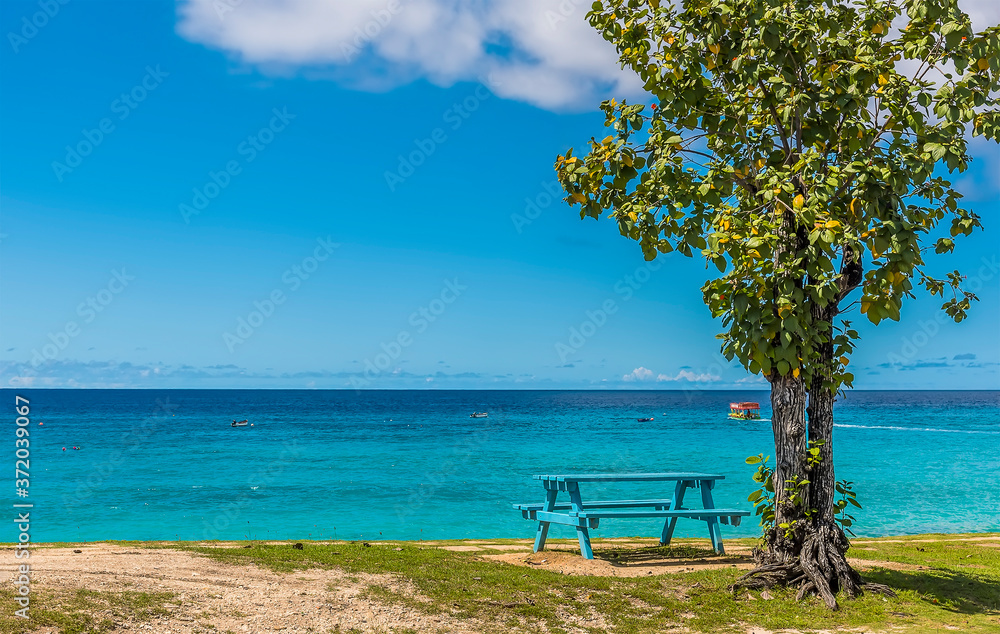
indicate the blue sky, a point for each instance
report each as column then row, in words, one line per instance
column 264, row 204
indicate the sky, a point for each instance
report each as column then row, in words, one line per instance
column 307, row 194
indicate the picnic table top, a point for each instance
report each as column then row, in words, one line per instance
column 628, row 477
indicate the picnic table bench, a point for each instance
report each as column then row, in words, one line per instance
column 586, row 515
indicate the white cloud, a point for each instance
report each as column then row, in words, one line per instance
column 692, row 377
column 645, row 374
column 752, row 380
column 982, row 13
column 543, row 52
column 112, row 374
column 638, row 374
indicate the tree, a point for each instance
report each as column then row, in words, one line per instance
column 799, row 146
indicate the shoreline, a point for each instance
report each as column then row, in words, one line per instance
column 940, row 536
column 454, row 389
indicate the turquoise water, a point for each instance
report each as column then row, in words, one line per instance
column 165, row 464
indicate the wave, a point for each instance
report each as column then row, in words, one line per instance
column 930, row 429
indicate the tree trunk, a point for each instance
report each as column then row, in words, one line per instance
column 788, row 404
column 826, row 558
column 821, row 397
column 810, row 556
column 823, row 557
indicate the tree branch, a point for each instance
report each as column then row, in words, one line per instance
column 851, row 274
column 777, row 119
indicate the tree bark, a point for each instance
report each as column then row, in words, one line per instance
column 788, row 404
column 820, row 410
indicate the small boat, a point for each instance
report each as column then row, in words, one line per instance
column 744, row 411
column 478, row 415
column 645, row 420
column 241, row 423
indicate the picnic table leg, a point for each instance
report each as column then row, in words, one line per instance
column 675, row 504
column 713, row 521
column 582, row 533
column 543, row 527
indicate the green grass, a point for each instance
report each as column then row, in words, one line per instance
column 962, row 580
column 956, row 589
column 959, row 589
column 73, row 613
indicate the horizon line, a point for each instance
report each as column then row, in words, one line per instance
column 467, row 389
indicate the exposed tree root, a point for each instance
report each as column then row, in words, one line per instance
column 879, row 588
column 820, row 568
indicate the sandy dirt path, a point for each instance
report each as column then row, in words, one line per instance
column 216, row 597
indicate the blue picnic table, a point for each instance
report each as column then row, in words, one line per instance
column 586, row 515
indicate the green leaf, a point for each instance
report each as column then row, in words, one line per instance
column 753, row 460
column 936, row 149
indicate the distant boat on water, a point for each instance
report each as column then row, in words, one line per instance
column 645, row 420
column 744, row 411
column 478, row 415
column 242, row 423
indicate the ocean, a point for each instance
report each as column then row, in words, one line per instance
column 166, row 464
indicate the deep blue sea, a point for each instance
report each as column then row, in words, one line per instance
column 166, row 464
